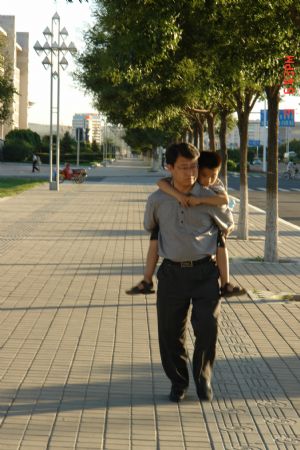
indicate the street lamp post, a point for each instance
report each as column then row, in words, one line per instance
column 55, row 47
column 105, row 143
column 264, row 137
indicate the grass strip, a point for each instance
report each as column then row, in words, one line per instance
column 12, row 186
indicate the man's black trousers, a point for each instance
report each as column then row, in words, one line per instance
column 177, row 288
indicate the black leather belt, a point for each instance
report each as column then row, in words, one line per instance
column 188, row 263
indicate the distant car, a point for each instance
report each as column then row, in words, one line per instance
column 289, row 155
column 257, row 162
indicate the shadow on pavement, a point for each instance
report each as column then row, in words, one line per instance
column 237, row 268
column 246, row 378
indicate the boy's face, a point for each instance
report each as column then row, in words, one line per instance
column 207, row 177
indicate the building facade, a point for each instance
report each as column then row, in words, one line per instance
column 92, row 122
column 16, row 51
column 258, row 133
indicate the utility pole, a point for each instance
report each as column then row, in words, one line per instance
column 78, row 145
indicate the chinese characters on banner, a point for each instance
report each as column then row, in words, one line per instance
column 286, row 118
column 288, row 75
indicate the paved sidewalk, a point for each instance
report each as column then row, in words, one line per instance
column 80, row 366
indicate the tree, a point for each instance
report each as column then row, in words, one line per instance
column 192, row 59
column 232, row 78
column 150, row 138
column 269, row 31
column 226, row 122
column 118, row 68
column 20, row 144
column 137, row 76
column 284, row 29
column 95, row 147
column 29, row 136
column 67, row 144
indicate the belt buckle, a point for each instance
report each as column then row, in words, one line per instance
column 186, row 264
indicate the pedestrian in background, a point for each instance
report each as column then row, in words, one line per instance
column 35, row 163
column 163, row 160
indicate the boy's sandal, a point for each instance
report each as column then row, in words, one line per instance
column 229, row 290
column 142, row 288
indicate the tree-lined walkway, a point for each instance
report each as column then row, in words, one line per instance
column 80, row 365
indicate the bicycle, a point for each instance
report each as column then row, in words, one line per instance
column 77, row 176
column 291, row 174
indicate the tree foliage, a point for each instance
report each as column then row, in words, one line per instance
column 29, row 136
column 268, row 32
column 20, row 145
column 134, row 63
column 149, row 63
column 67, row 143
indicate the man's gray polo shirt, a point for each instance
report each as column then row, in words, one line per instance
column 186, row 234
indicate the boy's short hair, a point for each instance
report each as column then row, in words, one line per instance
column 184, row 149
column 209, row 160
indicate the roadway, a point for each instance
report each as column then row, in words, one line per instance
column 289, row 190
column 288, row 194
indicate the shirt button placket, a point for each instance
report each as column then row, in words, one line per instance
column 181, row 221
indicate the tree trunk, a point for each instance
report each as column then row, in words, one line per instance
column 224, row 154
column 211, row 131
column 243, row 119
column 195, row 135
column 199, row 129
column 185, row 137
column 271, row 241
column 155, row 160
column 244, row 104
column 201, row 135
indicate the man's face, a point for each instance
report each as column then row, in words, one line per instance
column 184, row 171
column 207, row 177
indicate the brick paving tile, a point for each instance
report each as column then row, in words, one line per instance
column 80, row 366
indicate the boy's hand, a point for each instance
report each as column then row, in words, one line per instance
column 182, row 199
column 228, row 231
column 194, row 201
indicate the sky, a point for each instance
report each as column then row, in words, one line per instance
column 34, row 16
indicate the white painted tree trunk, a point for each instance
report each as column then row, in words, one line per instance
column 271, row 241
column 155, row 161
column 242, row 229
column 243, row 226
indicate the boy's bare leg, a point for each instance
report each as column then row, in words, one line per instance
column 146, row 285
column 223, row 264
column 151, row 261
column 227, row 288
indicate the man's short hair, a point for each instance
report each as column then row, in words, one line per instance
column 209, row 160
column 184, row 149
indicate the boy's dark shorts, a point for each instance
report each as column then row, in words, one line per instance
column 221, row 240
column 154, row 234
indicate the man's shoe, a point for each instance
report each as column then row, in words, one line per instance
column 204, row 390
column 176, row 394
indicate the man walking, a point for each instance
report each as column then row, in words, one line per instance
column 35, row 163
column 187, row 240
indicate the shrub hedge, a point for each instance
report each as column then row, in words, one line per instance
column 17, row 151
column 231, row 165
